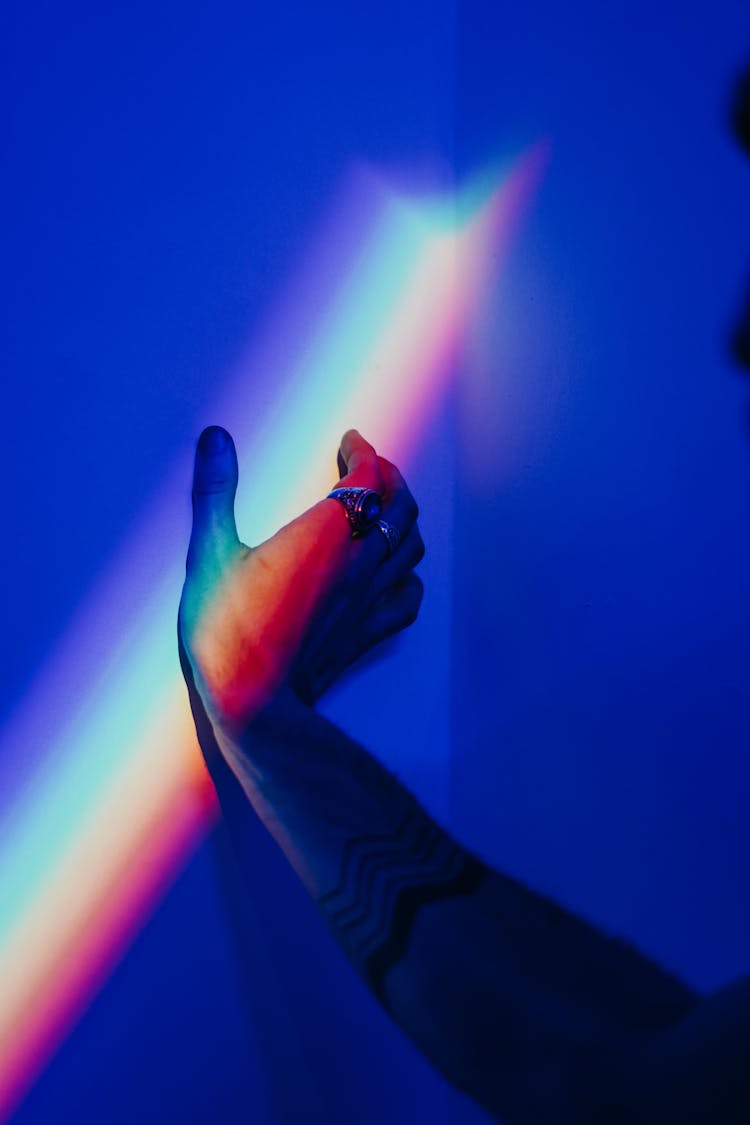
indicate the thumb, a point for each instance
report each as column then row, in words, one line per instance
column 214, row 532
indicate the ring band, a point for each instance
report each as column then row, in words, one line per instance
column 391, row 534
column 361, row 505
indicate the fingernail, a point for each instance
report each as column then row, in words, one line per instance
column 213, row 440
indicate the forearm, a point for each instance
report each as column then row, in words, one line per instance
column 360, row 842
column 498, row 986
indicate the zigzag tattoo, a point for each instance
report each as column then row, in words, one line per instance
column 384, row 881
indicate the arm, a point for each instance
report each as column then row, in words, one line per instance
column 527, row 1009
column 524, row 1007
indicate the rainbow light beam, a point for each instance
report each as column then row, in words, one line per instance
column 103, row 791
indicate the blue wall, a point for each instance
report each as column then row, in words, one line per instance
column 584, row 492
column 603, row 494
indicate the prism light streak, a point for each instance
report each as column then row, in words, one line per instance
column 81, row 758
column 116, row 798
column 111, row 876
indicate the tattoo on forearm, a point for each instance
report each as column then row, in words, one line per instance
column 371, row 857
column 384, row 881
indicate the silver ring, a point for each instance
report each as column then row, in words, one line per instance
column 391, row 534
column 362, row 507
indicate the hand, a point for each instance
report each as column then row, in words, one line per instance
column 380, row 595
column 296, row 611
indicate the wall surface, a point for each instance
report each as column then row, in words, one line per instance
column 601, row 718
column 574, row 699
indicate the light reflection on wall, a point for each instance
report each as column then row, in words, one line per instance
column 103, row 793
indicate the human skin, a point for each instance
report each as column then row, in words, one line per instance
column 300, row 608
column 535, row 1014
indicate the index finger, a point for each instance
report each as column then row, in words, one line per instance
column 398, row 501
column 399, row 509
column 359, row 463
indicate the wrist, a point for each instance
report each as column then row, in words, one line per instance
column 273, row 717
